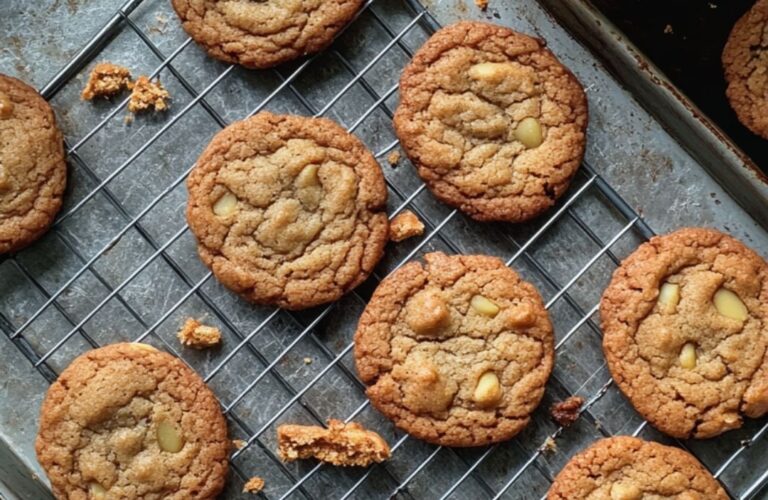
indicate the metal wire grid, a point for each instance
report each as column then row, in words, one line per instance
column 589, row 185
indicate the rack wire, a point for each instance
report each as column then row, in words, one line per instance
column 262, row 376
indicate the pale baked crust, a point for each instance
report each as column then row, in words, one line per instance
column 33, row 173
column 99, row 420
column 425, row 379
column 289, row 243
column 625, row 467
column 642, row 342
column 459, row 131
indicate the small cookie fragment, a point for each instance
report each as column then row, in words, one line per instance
column 148, row 95
column 482, row 4
column 340, row 444
column 198, row 336
column 405, row 225
column 254, row 485
column 393, row 158
column 106, row 79
column 566, row 412
column 549, row 446
column 238, row 444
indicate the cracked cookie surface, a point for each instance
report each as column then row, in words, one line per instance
column 265, row 33
column 456, row 352
column 33, row 173
column 288, row 210
column 129, row 421
column 685, row 333
column 495, row 125
column 628, row 468
column 745, row 61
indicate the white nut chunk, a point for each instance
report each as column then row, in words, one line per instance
column 529, row 132
column 308, row 176
column 488, row 390
column 490, row 72
column 730, row 305
column 688, row 356
column 226, row 205
column 96, row 491
column 625, row 491
column 169, row 438
column 427, row 312
column 669, row 297
column 484, row 306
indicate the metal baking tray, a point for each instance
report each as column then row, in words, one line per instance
column 120, row 263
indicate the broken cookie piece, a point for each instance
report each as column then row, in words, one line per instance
column 405, row 225
column 106, row 79
column 393, row 158
column 340, row 444
column 254, row 485
column 198, row 336
column 566, row 412
column 148, row 94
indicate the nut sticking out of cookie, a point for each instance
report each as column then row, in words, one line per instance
column 340, row 444
column 106, row 80
column 148, row 95
column 488, row 390
column 669, row 297
column 198, row 336
column 730, row 305
column 405, row 225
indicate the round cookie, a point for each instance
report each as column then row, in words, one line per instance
column 745, row 61
column 288, row 210
column 628, row 468
column 495, row 125
column 33, row 173
column 685, row 332
column 129, row 421
column 266, row 33
column 455, row 352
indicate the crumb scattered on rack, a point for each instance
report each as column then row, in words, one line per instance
column 668, row 29
column 405, row 225
column 550, row 446
column 254, row 485
column 394, row 158
column 712, row 5
column 148, row 94
column 128, row 119
column 566, row 412
column 162, row 23
column 307, row 361
column 239, row 444
column 483, row 4
column 340, row 444
column 106, row 79
column 198, row 336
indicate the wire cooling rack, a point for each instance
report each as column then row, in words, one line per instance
column 120, row 265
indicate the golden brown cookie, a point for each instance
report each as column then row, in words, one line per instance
column 129, row 421
column 456, row 352
column 265, row 33
column 341, row 444
column 288, row 210
column 495, row 125
column 628, row 468
column 33, row 173
column 685, row 322
column 745, row 60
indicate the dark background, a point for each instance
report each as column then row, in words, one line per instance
column 690, row 54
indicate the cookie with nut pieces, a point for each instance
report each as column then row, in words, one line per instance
column 629, row 468
column 493, row 122
column 685, row 325
column 456, row 351
column 129, row 421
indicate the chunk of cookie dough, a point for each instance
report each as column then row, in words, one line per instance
column 197, row 335
column 264, row 34
column 456, row 352
column 287, row 210
column 33, row 173
column 129, row 421
column 628, row 468
column 495, row 125
column 340, row 444
column 685, row 322
column 106, row 79
column 745, row 61
column 148, row 95
column 405, row 225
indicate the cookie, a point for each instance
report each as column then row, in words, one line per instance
column 455, row 352
column 287, row 210
column 745, row 61
column 129, row 421
column 344, row 445
column 33, row 173
column 628, row 468
column 685, row 332
column 495, row 125
column 264, row 34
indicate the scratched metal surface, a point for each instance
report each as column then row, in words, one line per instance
column 626, row 146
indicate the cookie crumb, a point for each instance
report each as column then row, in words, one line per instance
column 668, row 29
column 307, row 361
column 566, row 412
column 239, row 444
column 106, row 79
column 393, row 158
column 712, row 5
column 340, row 444
column 148, row 94
column 549, row 446
column 198, row 336
column 128, row 119
column 254, row 485
column 483, row 4
column 405, row 225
